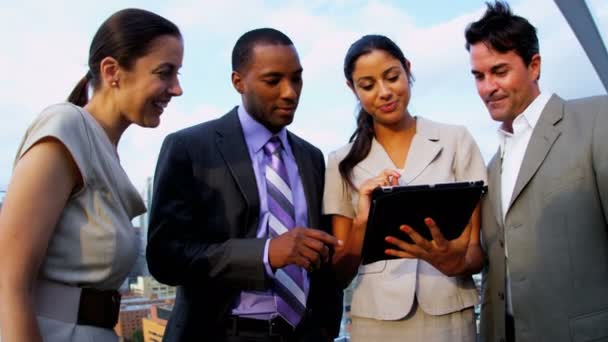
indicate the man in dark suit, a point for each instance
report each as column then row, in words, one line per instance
column 544, row 225
column 236, row 213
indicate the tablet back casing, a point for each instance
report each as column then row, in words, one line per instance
column 450, row 205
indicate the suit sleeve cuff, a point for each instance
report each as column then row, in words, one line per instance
column 269, row 271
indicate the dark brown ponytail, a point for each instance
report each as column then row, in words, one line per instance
column 80, row 94
column 125, row 36
column 362, row 143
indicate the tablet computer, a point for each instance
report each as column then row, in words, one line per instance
column 449, row 204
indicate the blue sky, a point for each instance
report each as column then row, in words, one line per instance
column 45, row 44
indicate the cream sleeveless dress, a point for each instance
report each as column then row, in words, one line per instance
column 94, row 243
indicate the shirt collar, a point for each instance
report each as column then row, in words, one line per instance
column 527, row 119
column 256, row 134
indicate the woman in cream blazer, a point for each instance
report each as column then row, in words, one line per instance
column 399, row 299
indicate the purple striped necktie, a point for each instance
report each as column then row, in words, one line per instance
column 290, row 294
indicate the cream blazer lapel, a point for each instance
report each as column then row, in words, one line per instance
column 375, row 162
column 424, row 149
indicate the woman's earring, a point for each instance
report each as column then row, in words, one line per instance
column 114, row 84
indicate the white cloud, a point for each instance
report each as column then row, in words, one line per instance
column 44, row 58
column 139, row 146
column 218, row 17
column 330, row 132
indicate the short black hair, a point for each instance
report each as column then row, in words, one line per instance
column 242, row 51
column 503, row 31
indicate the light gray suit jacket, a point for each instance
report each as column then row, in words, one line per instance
column 555, row 230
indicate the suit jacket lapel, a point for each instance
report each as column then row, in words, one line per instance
column 307, row 174
column 543, row 137
column 375, row 161
column 423, row 150
column 494, row 170
column 233, row 148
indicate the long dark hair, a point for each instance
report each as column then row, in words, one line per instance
column 364, row 133
column 125, row 36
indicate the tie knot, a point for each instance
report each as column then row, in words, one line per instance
column 272, row 146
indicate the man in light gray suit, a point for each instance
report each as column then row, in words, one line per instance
column 544, row 226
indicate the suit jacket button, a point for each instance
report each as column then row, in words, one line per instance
column 501, row 296
column 502, row 243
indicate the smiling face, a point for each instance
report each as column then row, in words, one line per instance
column 270, row 85
column 148, row 86
column 505, row 84
column 380, row 82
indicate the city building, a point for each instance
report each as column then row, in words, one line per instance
column 150, row 288
column 141, row 226
column 2, row 195
column 155, row 324
column 134, row 309
column 130, row 320
column 140, row 269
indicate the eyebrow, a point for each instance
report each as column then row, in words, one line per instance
column 499, row 66
column 492, row 69
column 384, row 73
column 280, row 74
column 389, row 70
column 164, row 65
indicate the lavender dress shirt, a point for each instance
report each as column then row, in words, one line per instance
column 256, row 304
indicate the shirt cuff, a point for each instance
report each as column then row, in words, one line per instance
column 269, row 271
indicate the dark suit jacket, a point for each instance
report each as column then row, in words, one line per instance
column 203, row 223
column 555, row 230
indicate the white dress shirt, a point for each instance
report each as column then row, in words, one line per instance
column 512, row 149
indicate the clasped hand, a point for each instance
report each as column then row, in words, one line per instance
column 304, row 247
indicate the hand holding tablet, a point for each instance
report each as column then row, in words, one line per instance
column 449, row 205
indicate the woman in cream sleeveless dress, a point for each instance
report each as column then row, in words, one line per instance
column 65, row 227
